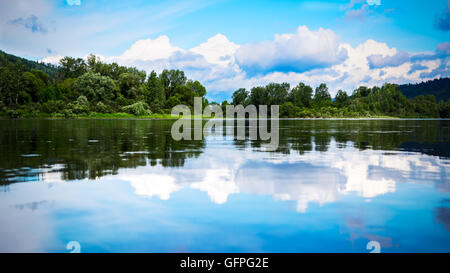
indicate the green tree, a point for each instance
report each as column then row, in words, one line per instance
column 72, row 68
column 426, row 106
column 361, row 92
column 301, row 95
column 322, row 96
column 341, row 99
column 12, row 84
column 197, row 88
column 224, row 106
column 81, row 105
column 277, row 93
column 156, row 94
column 258, row 96
column 444, row 109
column 185, row 95
column 171, row 79
column 289, row 110
column 240, row 97
column 44, row 77
column 129, row 85
column 95, row 87
column 34, row 86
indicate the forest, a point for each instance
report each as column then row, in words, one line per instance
column 305, row 102
column 92, row 88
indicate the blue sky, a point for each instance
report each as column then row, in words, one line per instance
column 344, row 43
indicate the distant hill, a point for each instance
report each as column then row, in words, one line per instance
column 440, row 88
column 47, row 68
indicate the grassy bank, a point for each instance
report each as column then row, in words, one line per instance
column 91, row 115
column 94, row 115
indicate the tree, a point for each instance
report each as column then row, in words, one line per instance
column 112, row 70
column 71, row 67
column 185, row 95
column 81, row 105
column 258, row 96
column 240, row 97
column 12, row 84
column 171, row 79
column 444, row 109
column 224, row 106
column 426, row 106
column 95, row 87
column 301, row 95
column 196, row 87
column 341, row 99
column 322, row 96
column 361, row 92
column 173, row 101
column 45, row 78
column 129, row 85
column 156, row 94
column 277, row 93
column 34, row 86
column 289, row 110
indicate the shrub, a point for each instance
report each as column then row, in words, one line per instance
column 52, row 106
column 81, row 105
column 102, row 108
column 68, row 113
column 289, row 110
column 139, row 108
column 13, row 113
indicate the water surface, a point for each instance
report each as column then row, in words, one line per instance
column 127, row 186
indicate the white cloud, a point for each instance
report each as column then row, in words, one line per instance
column 217, row 50
column 52, row 59
column 299, row 52
column 152, row 185
column 150, row 50
column 219, row 183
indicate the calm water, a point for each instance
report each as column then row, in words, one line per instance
column 126, row 186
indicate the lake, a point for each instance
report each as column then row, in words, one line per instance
column 127, row 186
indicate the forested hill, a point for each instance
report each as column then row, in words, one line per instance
column 440, row 88
column 6, row 58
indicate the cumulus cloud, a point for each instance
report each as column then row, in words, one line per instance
column 32, row 23
column 443, row 20
column 150, row 50
column 298, row 52
column 217, row 50
column 437, row 61
column 380, row 61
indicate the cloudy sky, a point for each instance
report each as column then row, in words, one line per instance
column 231, row 44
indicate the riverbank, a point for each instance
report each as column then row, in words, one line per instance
column 169, row 116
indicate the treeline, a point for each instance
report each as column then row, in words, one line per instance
column 80, row 87
column 6, row 58
column 304, row 101
column 440, row 88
